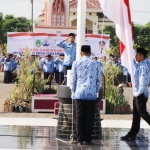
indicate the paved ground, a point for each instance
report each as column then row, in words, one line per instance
column 44, row 138
column 4, row 94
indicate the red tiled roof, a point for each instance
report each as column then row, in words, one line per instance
column 89, row 4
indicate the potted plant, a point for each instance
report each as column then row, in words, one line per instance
column 28, row 73
column 115, row 100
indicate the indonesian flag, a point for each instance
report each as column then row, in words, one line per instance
column 119, row 12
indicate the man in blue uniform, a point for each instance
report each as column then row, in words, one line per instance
column 141, row 79
column 8, row 67
column 59, row 62
column 48, row 68
column 85, row 86
column 69, row 47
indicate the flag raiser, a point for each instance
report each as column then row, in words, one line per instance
column 119, row 12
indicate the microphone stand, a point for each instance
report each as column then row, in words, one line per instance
column 33, row 83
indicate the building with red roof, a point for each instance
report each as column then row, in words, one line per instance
column 61, row 15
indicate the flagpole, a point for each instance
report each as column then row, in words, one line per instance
column 32, row 14
column 81, row 21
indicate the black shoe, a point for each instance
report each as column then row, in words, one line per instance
column 128, row 137
column 88, row 143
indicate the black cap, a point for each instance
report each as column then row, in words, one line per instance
column 111, row 55
column 142, row 51
column 10, row 54
column 48, row 55
column 61, row 54
column 71, row 34
column 86, row 48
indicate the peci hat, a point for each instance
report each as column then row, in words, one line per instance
column 142, row 51
column 48, row 55
column 61, row 54
column 71, row 34
column 86, row 48
column 10, row 54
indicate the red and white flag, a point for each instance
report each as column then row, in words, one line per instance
column 119, row 12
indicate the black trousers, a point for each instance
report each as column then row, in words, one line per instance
column 56, row 75
column 48, row 76
column 61, row 77
column 139, row 110
column 65, row 68
column 7, row 77
column 85, row 110
column 126, row 78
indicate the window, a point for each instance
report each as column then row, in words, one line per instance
column 58, row 12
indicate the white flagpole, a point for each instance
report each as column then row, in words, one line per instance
column 81, row 26
column 32, row 14
column 81, row 20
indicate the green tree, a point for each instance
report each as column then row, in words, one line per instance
column 1, row 29
column 9, row 23
column 12, row 24
column 141, row 36
column 114, row 41
column 148, row 24
column 4, row 48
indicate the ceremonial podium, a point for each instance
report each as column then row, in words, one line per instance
column 64, row 126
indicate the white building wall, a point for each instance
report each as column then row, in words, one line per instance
column 66, row 3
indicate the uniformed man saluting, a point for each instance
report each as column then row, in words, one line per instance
column 69, row 47
column 85, row 86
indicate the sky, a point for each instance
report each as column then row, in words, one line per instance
column 140, row 9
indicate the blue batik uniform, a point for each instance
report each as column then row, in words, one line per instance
column 14, row 64
column 3, row 59
column 8, row 65
column 69, row 52
column 57, row 67
column 148, row 64
column 141, row 78
column 11, row 63
column 48, row 66
column 101, row 66
column 86, row 80
column 59, row 64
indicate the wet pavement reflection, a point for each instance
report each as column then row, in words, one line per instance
column 44, row 138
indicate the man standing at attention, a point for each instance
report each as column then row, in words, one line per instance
column 59, row 62
column 141, row 79
column 69, row 47
column 85, row 86
column 48, row 68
